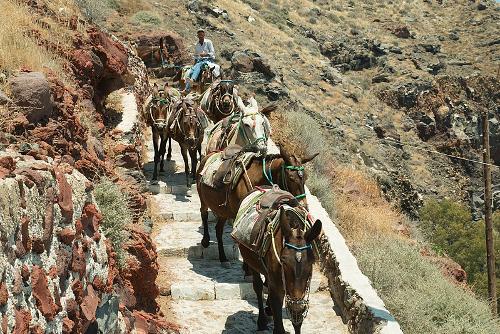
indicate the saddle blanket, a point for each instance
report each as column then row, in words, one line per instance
column 215, row 161
column 246, row 221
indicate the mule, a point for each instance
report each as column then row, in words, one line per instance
column 287, row 263
column 156, row 117
column 247, row 127
column 283, row 169
column 199, row 86
column 186, row 125
column 220, row 100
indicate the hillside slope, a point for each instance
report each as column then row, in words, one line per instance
column 383, row 91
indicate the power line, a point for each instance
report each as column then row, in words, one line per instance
column 437, row 152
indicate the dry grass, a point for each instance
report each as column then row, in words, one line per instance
column 360, row 207
column 16, row 49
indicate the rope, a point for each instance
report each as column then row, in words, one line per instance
column 439, row 153
column 246, row 174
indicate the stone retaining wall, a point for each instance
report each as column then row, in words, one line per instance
column 351, row 290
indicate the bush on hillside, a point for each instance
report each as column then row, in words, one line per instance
column 146, row 17
column 449, row 227
column 96, row 10
column 116, row 214
column 418, row 295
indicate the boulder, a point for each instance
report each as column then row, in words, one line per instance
column 4, row 99
column 31, row 92
column 402, row 32
column 242, row 61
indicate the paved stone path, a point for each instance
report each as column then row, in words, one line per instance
column 197, row 293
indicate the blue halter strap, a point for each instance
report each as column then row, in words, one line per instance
column 297, row 248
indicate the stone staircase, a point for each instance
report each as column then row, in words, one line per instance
column 197, row 292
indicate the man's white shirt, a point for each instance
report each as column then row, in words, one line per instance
column 206, row 47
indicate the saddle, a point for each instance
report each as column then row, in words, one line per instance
column 257, row 211
column 227, row 169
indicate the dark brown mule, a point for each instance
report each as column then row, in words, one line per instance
column 287, row 267
column 284, row 170
column 219, row 101
column 186, row 126
column 156, row 117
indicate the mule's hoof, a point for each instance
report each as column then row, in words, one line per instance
column 189, row 193
column 226, row 264
column 205, row 242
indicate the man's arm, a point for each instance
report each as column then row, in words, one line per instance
column 211, row 51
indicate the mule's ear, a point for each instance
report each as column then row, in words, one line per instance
column 268, row 109
column 314, row 231
column 285, row 155
column 308, row 158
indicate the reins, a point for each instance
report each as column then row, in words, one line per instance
column 269, row 176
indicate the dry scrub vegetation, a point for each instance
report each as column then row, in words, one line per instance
column 412, row 287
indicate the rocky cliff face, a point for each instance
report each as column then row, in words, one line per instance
column 57, row 266
column 58, row 271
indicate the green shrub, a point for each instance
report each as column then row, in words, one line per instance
column 450, row 229
column 116, row 214
column 96, row 10
column 146, row 17
column 415, row 291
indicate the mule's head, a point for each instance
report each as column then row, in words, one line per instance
column 158, row 107
column 254, row 130
column 207, row 75
column 294, row 175
column 226, row 92
column 297, row 258
column 189, row 122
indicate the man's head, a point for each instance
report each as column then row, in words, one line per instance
column 201, row 35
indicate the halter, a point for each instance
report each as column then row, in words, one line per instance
column 242, row 130
column 296, row 317
column 160, row 123
column 219, row 98
column 198, row 123
column 269, row 176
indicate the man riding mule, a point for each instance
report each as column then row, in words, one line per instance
column 275, row 234
column 225, row 178
column 156, row 115
column 246, row 127
column 204, row 55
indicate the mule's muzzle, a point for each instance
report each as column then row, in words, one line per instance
column 297, row 309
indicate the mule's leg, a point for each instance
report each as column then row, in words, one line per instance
column 169, row 154
column 163, row 144
column 276, row 296
column 194, row 162
column 205, row 242
column 155, row 147
column 186, row 163
column 199, row 151
column 297, row 328
column 219, row 230
column 257, row 287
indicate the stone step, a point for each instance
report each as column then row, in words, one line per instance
column 202, row 279
column 240, row 316
column 183, row 239
column 180, row 208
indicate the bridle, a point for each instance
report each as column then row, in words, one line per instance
column 219, row 98
column 297, row 308
column 158, row 102
column 192, row 117
column 269, row 176
column 239, row 128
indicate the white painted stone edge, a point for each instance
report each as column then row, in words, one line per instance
column 350, row 274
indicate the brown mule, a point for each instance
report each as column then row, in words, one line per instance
column 186, row 126
column 287, row 264
column 156, row 117
column 284, row 170
column 219, row 101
